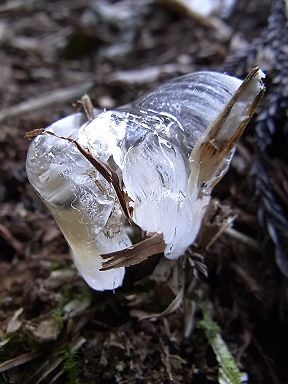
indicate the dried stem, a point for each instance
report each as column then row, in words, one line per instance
column 135, row 254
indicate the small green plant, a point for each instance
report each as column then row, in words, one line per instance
column 228, row 370
column 57, row 315
column 70, row 366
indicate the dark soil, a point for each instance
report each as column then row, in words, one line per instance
column 53, row 328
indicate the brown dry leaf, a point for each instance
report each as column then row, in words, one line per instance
column 59, row 278
column 163, row 271
column 221, row 138
column 76, row 306
column 15, row 324
column 172, row 307
column 47, row 330
column 217, row 218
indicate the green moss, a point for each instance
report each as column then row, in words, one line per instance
column 57, row 315
column 70, row 366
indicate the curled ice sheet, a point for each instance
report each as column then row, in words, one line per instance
column 168, row 149
column 81, row 201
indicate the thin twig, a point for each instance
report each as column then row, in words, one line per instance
column 19, row 360
column 11, row 240
column 134, row 254
column 243, row 238
column 62, row 95
column 87, row 105
column 104, row 169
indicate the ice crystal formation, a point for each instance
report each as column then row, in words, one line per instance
column 167, row 149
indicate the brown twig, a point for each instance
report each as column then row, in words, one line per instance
column 135, row 254
column 107, row 172
column 19, row 360
column 87, row 105
column 11, row 240
column 47, row 100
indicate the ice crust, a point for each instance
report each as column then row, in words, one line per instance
column 148, row 144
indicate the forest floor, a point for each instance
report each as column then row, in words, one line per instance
column 53, row 327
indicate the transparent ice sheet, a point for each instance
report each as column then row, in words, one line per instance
column 151, row 145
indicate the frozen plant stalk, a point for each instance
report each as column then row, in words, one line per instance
column 152, row 164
